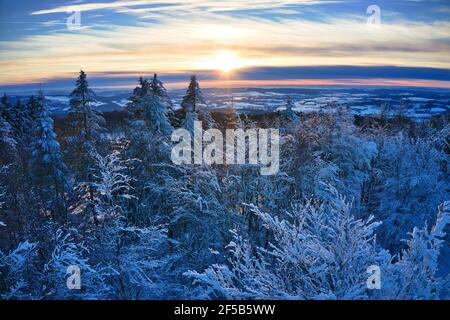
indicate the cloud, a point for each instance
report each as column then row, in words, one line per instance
column 192, row 34
column 126, row 81
column 92, row 6
column 183, row 44
column 202, row 5
column 348, row 72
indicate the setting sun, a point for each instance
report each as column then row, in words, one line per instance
column 225, row 61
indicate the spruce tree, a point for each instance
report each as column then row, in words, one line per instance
column 189, row 121
column 19, row 120
column 147, row 111
column 32, row 108
column 207, row 119
column 18, row 117
column 289, row 117
column 8, row 144
column 6, row 109
column 47, row 167
column 157, row 86
column 85, row 127
column 231, row 117
column 193, row 98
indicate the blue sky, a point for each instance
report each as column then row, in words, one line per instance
column 230, row 42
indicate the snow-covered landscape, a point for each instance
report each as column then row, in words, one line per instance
column 103, row 196
column 222, row 159
column 421, row 102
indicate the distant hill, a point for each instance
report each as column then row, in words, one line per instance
column 421, row 103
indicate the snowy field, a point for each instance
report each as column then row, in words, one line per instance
column 112, row 206
column 420, row 103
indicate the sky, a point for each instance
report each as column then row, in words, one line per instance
column 226, row 43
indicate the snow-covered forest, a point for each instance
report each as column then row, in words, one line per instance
column 351, row 192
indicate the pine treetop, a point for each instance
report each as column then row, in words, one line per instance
column 193, row 97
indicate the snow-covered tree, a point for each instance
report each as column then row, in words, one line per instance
column 67, row 257
column 102, row 199
column 138, row 255
column 198, row 218
column 47, row 166
column 207, row 119
column 158, row 89
column 155, row 115
column 112, row 183
column 330, row 145
column 140, row 223
column 6, row 109
column 193, row 99
column 351, row 153
column 32, row 108
column 385, row 109
column 308, row 257
column 324, row 252
column 148, row 111
column 289, row 118
column 406, row 186
column 149, row 132
column 403, row 108
column 13, row 114
column 8, row 143
column 2, row 194
column 157, row 86
column 231, row 117
column 189, row 121
column 16, row 272
column 84, row 130
column 414, row 275
column 138, row 259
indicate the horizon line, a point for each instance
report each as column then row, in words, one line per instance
column 235, row 84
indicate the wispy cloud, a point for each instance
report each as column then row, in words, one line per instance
column 192, row 35
column 93, row 6
column 185, row 44
column 209, row 5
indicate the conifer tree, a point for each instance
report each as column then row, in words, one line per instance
column 6, row 109
column 18, row 120
column 147, row 111
column 231, row 117
column 193, row 98
column 207, row 119
column 85, row 127
column 16, row 115
column 8, row 144
column 32, row 108
column 47, row 167
column 159, row 90
column 289, row 117
column 157, row 86
column 189, row 121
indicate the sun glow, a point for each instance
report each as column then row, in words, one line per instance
column 225, row 61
